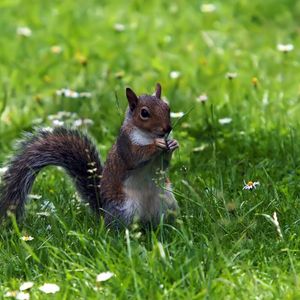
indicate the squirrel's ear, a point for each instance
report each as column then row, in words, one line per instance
column 132, row 98
column 158, row 91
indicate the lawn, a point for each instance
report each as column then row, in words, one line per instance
column 233, row 69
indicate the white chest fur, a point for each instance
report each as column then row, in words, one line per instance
column 139, row 137
column 143, row 193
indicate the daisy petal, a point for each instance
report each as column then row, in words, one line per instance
column 26, row 286
column 104, row 276
column 49, row 288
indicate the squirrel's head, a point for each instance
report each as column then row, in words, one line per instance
column 149, row 112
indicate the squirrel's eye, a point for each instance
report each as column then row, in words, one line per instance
column 145, row 114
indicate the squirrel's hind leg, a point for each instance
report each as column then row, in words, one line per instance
column 116, row 216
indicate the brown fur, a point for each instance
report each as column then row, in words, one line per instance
column 159, row 123
column 126, row 187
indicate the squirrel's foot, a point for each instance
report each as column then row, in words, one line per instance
column 161, row 144
column 172, row 145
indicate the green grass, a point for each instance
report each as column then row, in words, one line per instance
column 222, row 246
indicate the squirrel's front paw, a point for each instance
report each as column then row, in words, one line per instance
column 161, row 144
column 172, row 145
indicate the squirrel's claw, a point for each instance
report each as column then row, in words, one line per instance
column 161, row 144
column 172, row 145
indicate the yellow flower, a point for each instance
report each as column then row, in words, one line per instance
column 254, row 81
column 11, row 294
column 56, row 49
column 81, row 58
column 17, row 295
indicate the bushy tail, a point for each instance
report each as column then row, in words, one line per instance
column 62, row 147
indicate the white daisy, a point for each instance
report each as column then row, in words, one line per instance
column 72, row 94
column 208, row 8
column 285, row 47
column 57, row 123
column 67, row 93
column 24, row 31
column 11, row 294
column 175, row 74
column 251, row 185
column 202, row 98
column 81, row 122
column 22, row 296
column 231, row 75
column 27, row 238
column 119, row 27
column 225, row 121
column 104, row 276
column 26, row 286
column 179, row 114
column 49, row 288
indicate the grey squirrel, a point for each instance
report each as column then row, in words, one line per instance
column 128, row 187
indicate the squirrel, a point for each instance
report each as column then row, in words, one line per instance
column 127, row 188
